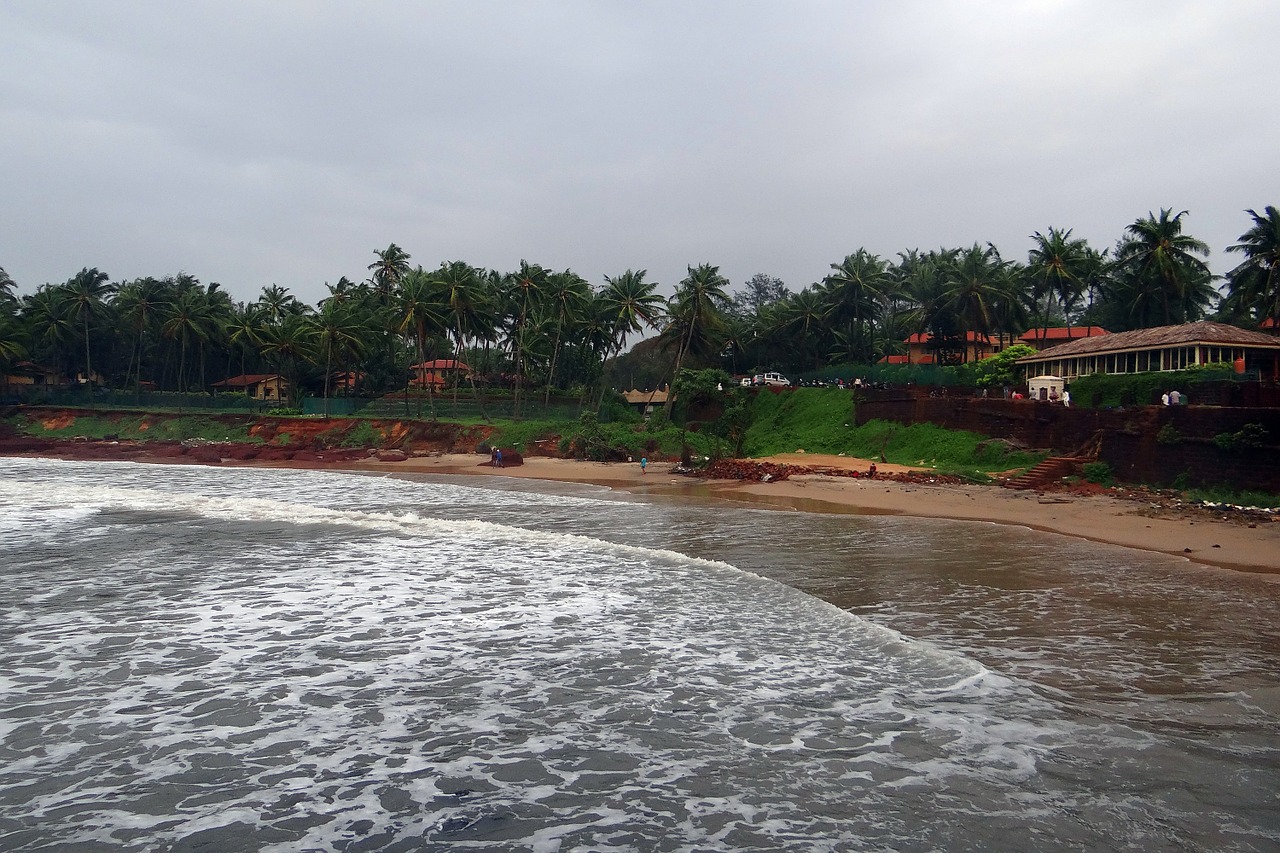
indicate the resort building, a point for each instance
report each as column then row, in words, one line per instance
column 645, row 402
column 923, row 349
column 440, row 373
column 259, row 386
column 1159, row 349
column 1054, row 336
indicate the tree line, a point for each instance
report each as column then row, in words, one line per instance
column 538, row 329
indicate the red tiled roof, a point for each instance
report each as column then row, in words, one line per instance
column 1204, row 332
column 245, row 379
column 442, row 364
column 1062, row 333
column 970, row 337
column 906, row 359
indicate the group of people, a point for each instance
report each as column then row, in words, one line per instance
column 1173, row 398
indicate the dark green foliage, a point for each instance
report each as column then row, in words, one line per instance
column 1001, row 369
column 1248, row 437
column 819, row 420
column 1098, row 472
column 1168, row 434
column 1141, row 389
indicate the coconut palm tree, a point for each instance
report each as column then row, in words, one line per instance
column 288, row 345
column 188, row 320
column 1162, row 269
column 245, row 330
column 389, row 270
column 629, row 304
column 524, row 288
column 567, row 297
column 852, row 293
column 85, row 295
column 420, row 311
column 1256, row 281
column 139, row 305
column 8, row 290
column 1058, row 266
column 469, row 310
column 338, row 332
column 694, row 316
column 277, row 302
column 803, row 318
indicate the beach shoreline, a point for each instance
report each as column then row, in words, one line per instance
column 1220, row 540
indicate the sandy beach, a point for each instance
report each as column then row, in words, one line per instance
column 1133, row 518
column 1196, row 534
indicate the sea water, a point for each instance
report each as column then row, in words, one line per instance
column 243, row 659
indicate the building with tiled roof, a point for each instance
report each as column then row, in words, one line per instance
column 1054, row 336
column 1160, row 349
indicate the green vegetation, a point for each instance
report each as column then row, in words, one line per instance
column 818, row 420
column 140, row 428
column 1248, row 437
column 1099, row 473
column 1099, row 390
column 1224, row 495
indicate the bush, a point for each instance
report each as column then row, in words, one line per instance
column 1099, row 473
column 1168, row 434
column 1249, row 437
column 1099, row 390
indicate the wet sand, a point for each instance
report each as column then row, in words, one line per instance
column 1196, row 535
column 1224, row 540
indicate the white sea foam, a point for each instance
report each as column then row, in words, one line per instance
column 300, row 660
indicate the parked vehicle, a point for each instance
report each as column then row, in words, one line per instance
column 770, row 379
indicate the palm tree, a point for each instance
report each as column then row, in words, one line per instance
column 85, row 294
column 694, row 316
column 852, row 293
column 389, row 270
column 978, row 286
column 802, row 318
column 188, row 320
column 1161, row 266
column 245, row 330
column 139, row 304
column 468, row 307
column 276, row 303
column 51, row 330
column 1058, row 267
column 567, row 296
column 337, row 332
column 1256, row 281
column 8, row 290
column 629, row 304
column 420, row 310
column 525, row 288
column 288, row 345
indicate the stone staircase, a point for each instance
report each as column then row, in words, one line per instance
column 1051, row 470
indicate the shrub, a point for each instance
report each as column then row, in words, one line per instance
column 1099, row 473
column 1168, row 434
column 1248, row 437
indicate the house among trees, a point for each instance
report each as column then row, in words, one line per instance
column 27, row 373
column 924, row 348
column 645, row 401
column 1043, row 339
column 1160, row 349
column 440, row 373
column 259, row 386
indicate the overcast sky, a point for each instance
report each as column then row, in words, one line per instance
column 252, row 143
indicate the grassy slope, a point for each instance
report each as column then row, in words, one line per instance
column 820, row 420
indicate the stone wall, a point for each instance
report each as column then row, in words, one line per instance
column 1130, row 438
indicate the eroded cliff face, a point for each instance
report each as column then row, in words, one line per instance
column 73, row 433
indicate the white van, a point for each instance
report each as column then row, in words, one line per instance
column 770, row 379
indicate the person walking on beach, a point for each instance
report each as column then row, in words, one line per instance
column 644, row 464
column 497, row 456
